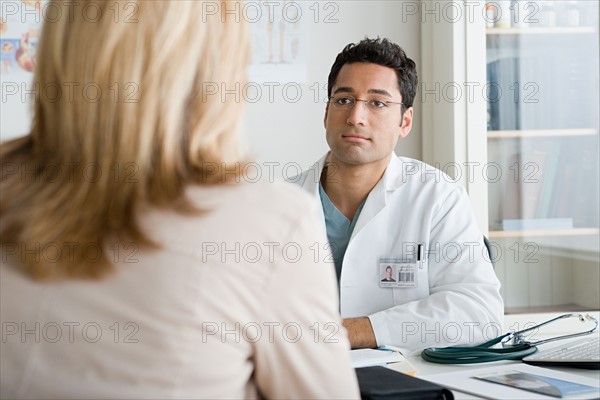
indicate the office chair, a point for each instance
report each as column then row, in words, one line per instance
column 488, row 246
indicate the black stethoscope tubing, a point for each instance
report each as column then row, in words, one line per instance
column 478, row 354
column 485, row 353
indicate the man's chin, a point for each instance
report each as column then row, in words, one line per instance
column 354, row 160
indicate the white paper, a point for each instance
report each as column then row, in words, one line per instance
column 370, row 357
column 463, row 381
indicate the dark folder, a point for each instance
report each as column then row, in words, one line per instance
column 379, row 383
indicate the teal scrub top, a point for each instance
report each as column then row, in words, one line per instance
column 339, row 229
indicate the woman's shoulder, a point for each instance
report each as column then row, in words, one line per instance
column 272, row 198
column 253, row 212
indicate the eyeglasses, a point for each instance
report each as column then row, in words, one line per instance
column 376, row 106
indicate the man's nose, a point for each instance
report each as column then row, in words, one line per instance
column 358, row 113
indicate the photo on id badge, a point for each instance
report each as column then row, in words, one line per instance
column 397, row 273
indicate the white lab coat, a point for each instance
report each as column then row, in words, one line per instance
column 457, row 298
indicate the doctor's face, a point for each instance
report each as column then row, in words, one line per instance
column 360, row 133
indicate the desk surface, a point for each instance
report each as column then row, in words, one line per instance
column 516, row 322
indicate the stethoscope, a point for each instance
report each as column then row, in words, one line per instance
column 514, row 346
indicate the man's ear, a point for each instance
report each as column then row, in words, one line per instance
column 406, row 122
column 325, row 117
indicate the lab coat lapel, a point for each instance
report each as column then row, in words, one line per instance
column 313, row 176
column 311, row 181
column 378, row 198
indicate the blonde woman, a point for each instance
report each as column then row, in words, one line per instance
column 135, row 263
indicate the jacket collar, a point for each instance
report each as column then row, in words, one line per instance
column 378, row 198
column 394, row 175
column 313, row 177
column 393, row 178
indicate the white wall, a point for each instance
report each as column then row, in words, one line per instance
column 292, row 133
column 282, row 132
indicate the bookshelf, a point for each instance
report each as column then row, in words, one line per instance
column 543, row 134
column 544, row 232
column 530, row 140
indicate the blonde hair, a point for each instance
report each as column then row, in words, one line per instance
column 131, row 125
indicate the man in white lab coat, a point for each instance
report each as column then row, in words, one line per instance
column 381, row 210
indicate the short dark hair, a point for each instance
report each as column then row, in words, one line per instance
column 382, row 52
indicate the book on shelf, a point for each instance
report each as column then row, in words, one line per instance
column 533, row 110
column 525, row 185
column 502, row 77
column 563, row 199
column 584, row 203
column 510, row 206
column 535, row 181
column 556, row 183
column 549, row 185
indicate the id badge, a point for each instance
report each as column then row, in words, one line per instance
column 397, row 273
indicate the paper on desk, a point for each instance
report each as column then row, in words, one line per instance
column 370, row 357
column 464, row 381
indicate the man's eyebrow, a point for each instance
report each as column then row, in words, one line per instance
column 347, row 89
column 343, row 89
column 380, row 91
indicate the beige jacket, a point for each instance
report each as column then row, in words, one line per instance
column 240, row 302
